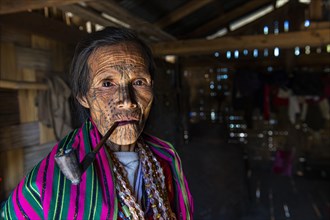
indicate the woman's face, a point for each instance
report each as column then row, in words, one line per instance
column 120, row 91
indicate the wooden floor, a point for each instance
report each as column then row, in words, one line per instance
column 228, row 182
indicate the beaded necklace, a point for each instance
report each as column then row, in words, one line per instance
column 155, row 188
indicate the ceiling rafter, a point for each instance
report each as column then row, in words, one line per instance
column 39, row 24
column 141, row 26
column 224, row 19
column 12, row 6
column 263, row 20
column 88, row 15
column 182, row 12
column 315, row 37
column 282, row 12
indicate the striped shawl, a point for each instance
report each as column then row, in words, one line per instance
column 45, row 193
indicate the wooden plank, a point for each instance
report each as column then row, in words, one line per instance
column 9, row 102
column 224, row 19
column 38, row 24
column 18, row 136
column 316, row 10
column 9, row 114
column 13, row 170
column 10, row 34
column 8, row 61
column 46, row 134
column 142, row 27
column 19, row 85
column 9, row 119
column 182, row 12
column 312, row 38
column 13, row 6
column 263, row 62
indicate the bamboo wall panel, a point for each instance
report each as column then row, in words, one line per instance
column 8, row 62
column 9, row 114
column 34, row 154
column 25, row 57
column 19, row 136
column 9, row 35
column 32, row 58
column 27, row 98
column 57, row 50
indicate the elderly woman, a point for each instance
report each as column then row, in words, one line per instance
column 135, row 175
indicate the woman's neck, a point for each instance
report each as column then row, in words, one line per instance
column 123, row 148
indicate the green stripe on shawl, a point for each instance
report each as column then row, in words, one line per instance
column 55, row 203
column 89, row 172
column 31, row 191
column 59, row 206
column 66, row 198
column 9, row 209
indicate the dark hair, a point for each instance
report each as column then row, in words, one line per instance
column 80, row 77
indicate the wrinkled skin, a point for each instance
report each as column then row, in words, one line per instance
column 120, row 90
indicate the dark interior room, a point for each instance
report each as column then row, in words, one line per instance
column 241, row 90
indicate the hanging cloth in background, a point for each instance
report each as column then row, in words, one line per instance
column 294, row 108
column 54, row 108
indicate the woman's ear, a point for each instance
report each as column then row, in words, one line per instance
column 83, row 101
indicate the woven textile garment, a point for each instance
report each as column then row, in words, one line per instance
column 45, row 193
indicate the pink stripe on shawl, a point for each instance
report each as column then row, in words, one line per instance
column 74, row 188
column 82, row 185
column 49, row 182
column 28, row 209
column 16, row 208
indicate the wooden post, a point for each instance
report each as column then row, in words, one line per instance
column 315, row 10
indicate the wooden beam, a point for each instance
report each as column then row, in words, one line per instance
column 87, row 15
column 142, row 27
column 260, row 22
column 284, row 40
column 224, row 19
column 312, row 60
column 13, row 6
column 182, row 12
column 10, row 84
column 38, row 24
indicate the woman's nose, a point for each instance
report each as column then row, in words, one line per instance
column 126, row 97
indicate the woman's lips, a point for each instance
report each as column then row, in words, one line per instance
column 121, row 123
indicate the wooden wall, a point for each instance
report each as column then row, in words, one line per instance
column 25, row 58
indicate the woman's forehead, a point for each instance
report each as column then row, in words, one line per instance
column 116, row 55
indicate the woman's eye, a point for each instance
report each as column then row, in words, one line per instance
column 139, row 82
column 107, row 84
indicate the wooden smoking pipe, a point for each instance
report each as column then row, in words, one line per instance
column 68, row 163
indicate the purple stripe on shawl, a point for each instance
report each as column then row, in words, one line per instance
column 27, row 208
column 49, row 182
column 74, row 188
